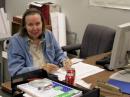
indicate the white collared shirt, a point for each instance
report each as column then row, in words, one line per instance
column 37, row 53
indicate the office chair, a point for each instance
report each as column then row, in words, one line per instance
column 96, row 39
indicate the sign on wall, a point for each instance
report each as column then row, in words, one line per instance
column 121, row 4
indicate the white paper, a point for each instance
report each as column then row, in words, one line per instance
column 4, row 54
column 54, row 23
column 85, row 70
column 61, row 74
column 39, row 3
column 83, row 84
column 62, row 29
column 59, row 27
column 26, row 95
column 36, row 4
column 76, row 60
column 82, row 70
column 4, row 27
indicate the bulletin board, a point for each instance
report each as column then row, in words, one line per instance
column 120, row 4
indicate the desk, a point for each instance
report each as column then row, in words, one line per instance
column 103, row 76
column 4, row 94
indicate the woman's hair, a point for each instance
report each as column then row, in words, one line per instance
column 31, row 11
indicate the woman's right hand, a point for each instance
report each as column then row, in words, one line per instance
column 50, row 68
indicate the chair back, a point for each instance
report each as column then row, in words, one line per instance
column 97, row 39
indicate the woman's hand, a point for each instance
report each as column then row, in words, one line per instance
column 67, row 64
column 50, row 68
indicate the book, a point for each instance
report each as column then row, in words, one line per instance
column 124, row 86
column 48, row 88
column 17, row 19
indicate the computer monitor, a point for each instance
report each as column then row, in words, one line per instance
column 121, row 53
column 121, row 47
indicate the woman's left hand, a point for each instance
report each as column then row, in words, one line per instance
column 50, row 68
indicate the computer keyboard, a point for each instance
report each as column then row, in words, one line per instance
column 103, row 61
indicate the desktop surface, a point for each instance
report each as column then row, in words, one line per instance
column 4, row 94
column 101, row 76
column 104, row 76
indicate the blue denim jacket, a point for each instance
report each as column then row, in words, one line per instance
column 20, row 60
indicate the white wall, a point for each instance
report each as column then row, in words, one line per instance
column 78, row 12
column 17, row 7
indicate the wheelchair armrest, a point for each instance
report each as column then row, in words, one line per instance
column 71, row 47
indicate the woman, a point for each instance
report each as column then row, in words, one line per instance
column 34, row 47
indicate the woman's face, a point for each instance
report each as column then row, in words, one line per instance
column 33, row 25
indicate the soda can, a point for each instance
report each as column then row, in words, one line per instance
column 70, row 76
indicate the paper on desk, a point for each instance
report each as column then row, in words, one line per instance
column 83, row 83
column 26, row 95
column 82, row 70
column 76, row 60
column 61, row 74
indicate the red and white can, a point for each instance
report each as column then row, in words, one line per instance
column 70, row 76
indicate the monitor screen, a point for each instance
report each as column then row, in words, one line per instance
column 120, row 47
